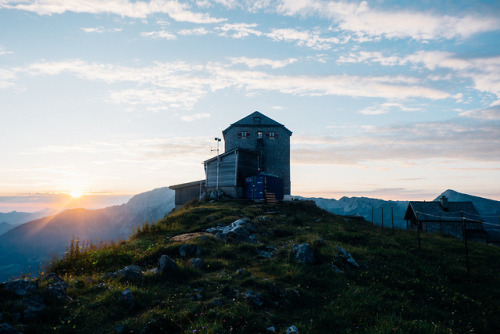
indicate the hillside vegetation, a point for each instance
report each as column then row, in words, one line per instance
column 255, row 284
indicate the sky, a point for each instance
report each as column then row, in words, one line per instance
column 385, row 99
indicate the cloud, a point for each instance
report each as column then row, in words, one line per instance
column 385, row 108
column 492, row 113
column 196, row 31
column 452, row 140
column 162, row 34
column 180, row 84
column 239, row 30
column 303, row 38
column 255, row 62
column 364, row 21
column 135, row 9
column 483, row 71
column 100, row 30
column 4, row 52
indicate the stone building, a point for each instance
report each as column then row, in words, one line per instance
column 254, row 145
column 446, row 217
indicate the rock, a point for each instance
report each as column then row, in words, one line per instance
column 127, row 299
column 303, row 253
column 347, row 257
column 131, row 273
column 271, row 329
column 336, row 269
column 33, row 306
column 167, row 266
column 197, row 263
column 21, row 287
column 292, row 329
column 253, row 298
column 153, row 271
column 264, row 254
column 189, row 250
column 238, row 231
column 6, row 328
column 56, row 291
column 216, row 302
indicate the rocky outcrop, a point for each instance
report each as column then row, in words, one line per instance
column 303, row 253
column 131, row 273
column 239, row 231
column 21, row 287
column 167, row 266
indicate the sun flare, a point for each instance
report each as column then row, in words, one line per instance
column 76, row 193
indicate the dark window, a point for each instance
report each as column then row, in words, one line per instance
column 271, row 135
column 243, row 134
column 256, row 120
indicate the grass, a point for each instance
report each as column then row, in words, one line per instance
column 398, row 288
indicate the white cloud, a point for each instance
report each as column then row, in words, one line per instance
column 135, row 9
column 492, row 113
column 452, row 140
column 303, row 38
column 162, row 34
column 196, row 31
column 100, row 30
column 4, row 52
column 385, row 108
column 362, row 20
column 239, row 30
column 181, row 84
column 255, row 62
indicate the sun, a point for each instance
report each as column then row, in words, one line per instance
column 76, row 193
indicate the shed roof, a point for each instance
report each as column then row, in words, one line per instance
column 250, row 120
column 187, row 184
column 434, row 211
column 231, row 152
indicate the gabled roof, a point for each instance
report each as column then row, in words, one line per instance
column 434, row 211
column 250, row 120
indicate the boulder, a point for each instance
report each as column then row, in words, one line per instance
column 21, row 287
column 336, row 269
column 347, row 257
column 127, row 299
column 131, row 273
column 303, row 253
column 167, row 266
column 197, row 263
column 292, row 329
column 189, row 250
column 56, row 291
column 254, row 298
column 239, row 231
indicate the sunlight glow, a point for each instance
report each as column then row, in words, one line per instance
column 76, row 193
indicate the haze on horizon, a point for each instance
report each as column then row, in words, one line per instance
column 393, row 99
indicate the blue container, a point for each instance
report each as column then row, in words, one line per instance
column 256, row 187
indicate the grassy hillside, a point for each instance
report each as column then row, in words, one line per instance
column 397, row 287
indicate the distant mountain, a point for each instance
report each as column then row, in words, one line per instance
column 362, row 206
column 15, row 218
column 488, row 209
column 31, row 243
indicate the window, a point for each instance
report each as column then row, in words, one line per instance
column 259, row 134
column 256, row 120
column 271, row 135
column 243, row 134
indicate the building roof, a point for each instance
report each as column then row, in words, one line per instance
column 256, row 119
column 187, row 184
column 434, row 211
column 231, row 152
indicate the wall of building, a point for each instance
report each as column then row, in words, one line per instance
column 275, row 152
column 451, row 228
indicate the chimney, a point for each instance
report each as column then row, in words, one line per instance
column 444, row 202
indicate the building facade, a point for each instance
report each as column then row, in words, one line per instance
column 254, row 145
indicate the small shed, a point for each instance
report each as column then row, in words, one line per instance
column 446, row 217
column 186, row 192
column 229, row 170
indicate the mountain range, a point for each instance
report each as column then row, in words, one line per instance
column 27, row 246
column 12, row 219
column 30, row 244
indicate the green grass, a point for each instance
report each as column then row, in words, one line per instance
column 398, row 288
